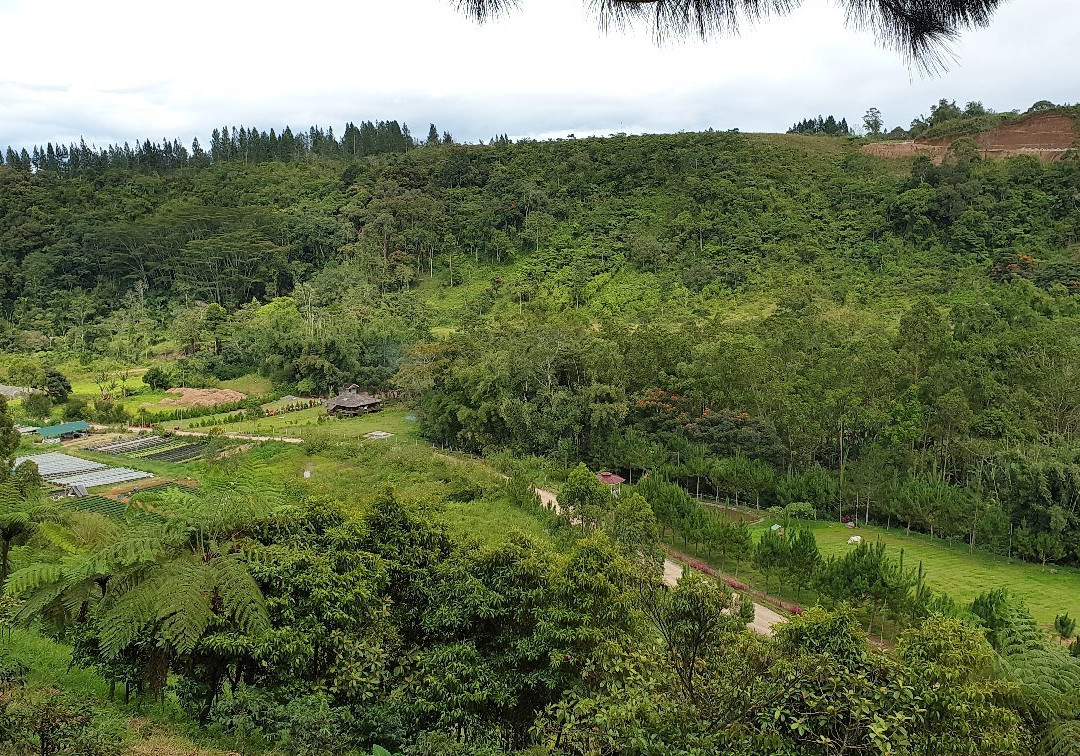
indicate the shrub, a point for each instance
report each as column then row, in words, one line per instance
column 157, row 379
column 76, row 408
column 37, row 406
column 1065, row 625
column 51, row 724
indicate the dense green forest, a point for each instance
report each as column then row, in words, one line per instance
column 775, row 318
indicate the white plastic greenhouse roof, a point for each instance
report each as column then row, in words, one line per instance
column 66, row 470
column 53, row 464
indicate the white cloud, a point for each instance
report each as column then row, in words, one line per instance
column 121, row 70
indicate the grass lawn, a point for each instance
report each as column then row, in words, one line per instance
column 950, row 568
column 251, row 384
column 491, row 520
column 356, row 473
column 305, row 424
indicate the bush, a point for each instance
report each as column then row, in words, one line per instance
column 37, row 406
column 109, row 412
column 302, row 725
column 51, row 724
column 157, row 379
column 465, row 491
column 1065, row 626
column 76, row 408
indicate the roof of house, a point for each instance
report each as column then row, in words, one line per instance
column 609, row 478
column 55, row 431
column 352, row 401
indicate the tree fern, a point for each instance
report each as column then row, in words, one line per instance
column 59, row 536
column 129, row 616
column 1061, row 739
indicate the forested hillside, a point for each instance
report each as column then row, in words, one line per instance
column 774, row 318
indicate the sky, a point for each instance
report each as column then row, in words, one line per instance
column 120, row 70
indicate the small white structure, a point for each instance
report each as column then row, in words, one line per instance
column 854, row 540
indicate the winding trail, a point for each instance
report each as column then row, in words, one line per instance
column 764, row 617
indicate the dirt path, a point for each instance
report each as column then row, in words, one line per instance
column 764, row 617
column 547, row 498
column 242, row 437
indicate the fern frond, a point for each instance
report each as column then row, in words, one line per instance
column 93, row 529
column 36, row 603
column 77, row 594
column 32, row 577
column 1060, row 739
column 240, row 595
column 60, row 537
column 128, row 616
column 138, row 548
column 184, row 604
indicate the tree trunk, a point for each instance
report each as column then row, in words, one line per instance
column 4, row 566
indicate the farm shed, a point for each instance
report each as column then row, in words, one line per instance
column 73, row 429
column 352, row 402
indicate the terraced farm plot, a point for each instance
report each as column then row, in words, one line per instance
column 111, row 508
column 132, row 446
column 157, row 448
column 182, row 453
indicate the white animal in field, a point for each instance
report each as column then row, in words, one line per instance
column 854, row 540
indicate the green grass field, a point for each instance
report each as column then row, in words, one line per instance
column 305, row 424
column 963, row 575
column 948, row 567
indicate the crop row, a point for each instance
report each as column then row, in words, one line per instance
column 182, row 453
column 111, row 508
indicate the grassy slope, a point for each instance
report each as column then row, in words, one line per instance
column 156, row 729
column 948, row 567
column 305, row 423
column 963, row 575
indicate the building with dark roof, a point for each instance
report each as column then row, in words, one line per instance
column 352, row 401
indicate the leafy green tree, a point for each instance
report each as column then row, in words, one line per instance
column 741, row 544
column 583, row 498
column 872, row 121
column 156, row 378
column 37, row 405
column 633, row 524
column 694, row 618
column 9, row 437
column 56, row 385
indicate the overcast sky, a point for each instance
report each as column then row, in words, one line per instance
column 116, row 70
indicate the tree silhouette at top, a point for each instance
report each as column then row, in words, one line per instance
column 919, row 30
